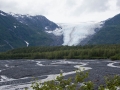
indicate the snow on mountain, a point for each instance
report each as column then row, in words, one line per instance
column 20, row 15
column 27, row 43
column 56, row 32
column 74, row 33
column 15, row 26
column 2, row 14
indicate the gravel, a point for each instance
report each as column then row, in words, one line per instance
column 24, row 71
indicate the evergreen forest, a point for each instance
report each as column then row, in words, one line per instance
column 64, row 52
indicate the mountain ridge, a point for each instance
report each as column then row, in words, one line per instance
column 18, row 30
column 38, row 21
column 15, row 34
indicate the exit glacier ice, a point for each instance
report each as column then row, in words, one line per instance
column 74, row 33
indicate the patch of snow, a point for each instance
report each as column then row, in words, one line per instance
column 56, row 32
column 22, row 16
column 2, row 14
column 15, row 26
column 46, row 27
column 49, row 31
column 16, row 15
column 28, row 16
column 11, row 13
column 26, row 43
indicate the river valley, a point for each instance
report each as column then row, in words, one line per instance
column 18, row 74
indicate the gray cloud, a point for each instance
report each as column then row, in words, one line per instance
column 23, row 7
column 118, row 3
column 70, row 3
column 92, row 6
column 8, row 5
column 59, row 10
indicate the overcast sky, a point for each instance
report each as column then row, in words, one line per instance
column 64, row 10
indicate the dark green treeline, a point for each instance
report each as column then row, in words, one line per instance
column 65, row 52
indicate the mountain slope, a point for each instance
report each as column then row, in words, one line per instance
column 109, row 33
column 40, row 24
column 14, row 34
column 24, row 30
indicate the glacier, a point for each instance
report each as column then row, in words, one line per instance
column 74, row 33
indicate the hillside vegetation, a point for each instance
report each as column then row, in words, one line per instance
column 65, row 52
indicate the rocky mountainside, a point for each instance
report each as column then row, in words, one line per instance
column 22, row 31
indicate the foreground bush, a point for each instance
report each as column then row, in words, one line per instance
column 77, row 83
